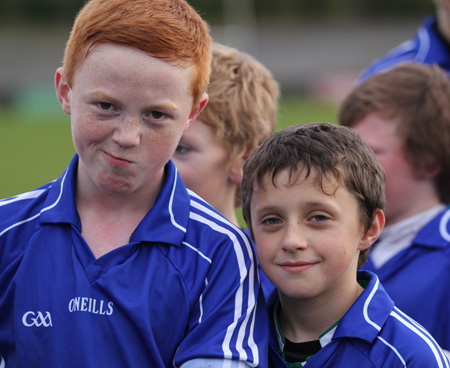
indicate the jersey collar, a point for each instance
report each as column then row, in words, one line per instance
column 369, row 312
column 436, row 234
column 166, row 222
column 363, row 320
column 430, row 35
column 168, row 219
column 60, row 206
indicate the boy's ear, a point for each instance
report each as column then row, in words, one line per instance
column 237, row 170
column 197, row 109
column 374, row 231
column 237, row 167
column 62, row 90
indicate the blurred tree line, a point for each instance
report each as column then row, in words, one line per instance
column 63, row 11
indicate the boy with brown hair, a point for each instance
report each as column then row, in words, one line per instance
column 313, row 197
column 404, row 116
column 116, row 264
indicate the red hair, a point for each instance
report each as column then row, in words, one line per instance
column 170, row 30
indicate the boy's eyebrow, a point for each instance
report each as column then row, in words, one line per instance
column 168, row 106
column 269, row 208
column 307, row 204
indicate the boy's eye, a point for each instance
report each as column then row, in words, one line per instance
column 271, row 221
column 157, row 115
column 318, row 218
column 105, row 105
column 181, row 148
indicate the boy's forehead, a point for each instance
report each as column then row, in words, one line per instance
column 326, row 181
column 134, row 59
column 103, row 47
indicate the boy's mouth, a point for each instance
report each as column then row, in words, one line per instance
column 296, row 267
column 116, row 161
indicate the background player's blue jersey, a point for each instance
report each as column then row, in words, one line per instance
column 185, row 287
column 372, row 334
column 418, row 278
column 427, row 46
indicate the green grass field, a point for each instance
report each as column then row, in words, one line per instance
column 36, row 147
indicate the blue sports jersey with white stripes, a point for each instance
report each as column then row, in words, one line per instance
column 185, row 287
column 427, row 46
column 266, row 284
column 417, row 278
column 373, row 333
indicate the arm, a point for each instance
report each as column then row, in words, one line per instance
column 228, row 315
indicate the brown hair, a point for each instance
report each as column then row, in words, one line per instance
column 243, row 100
column 418, row 95
column 329, row 149
column 170, row 30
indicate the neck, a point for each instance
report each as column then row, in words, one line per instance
column 303, row 321
column 230, row 215
column 108, row 223
column 422, row 202
column 225, row 205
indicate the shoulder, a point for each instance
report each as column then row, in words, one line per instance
column 184, row 211
column 410, row 342
column 209, row 245
column 22, row 208
column 21, row 214
column 19, row 217
column 435, row 236
column 377, row 330
column 207, row 224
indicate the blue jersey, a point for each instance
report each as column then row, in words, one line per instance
column 266, row 284
column 373, row 333
column 427, row 46
column 418, row 278
column 184, row 288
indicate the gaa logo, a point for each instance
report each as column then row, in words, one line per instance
column 37, row 319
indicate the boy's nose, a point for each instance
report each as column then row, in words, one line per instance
column 294, row 239
column 128, row 133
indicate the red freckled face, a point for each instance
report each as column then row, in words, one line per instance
column 128, row 111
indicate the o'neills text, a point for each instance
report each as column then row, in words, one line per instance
column 91, row 305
